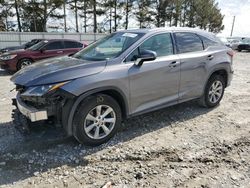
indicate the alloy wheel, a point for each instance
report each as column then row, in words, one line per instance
column 99, row 122
column 215, row 91
column 25, row 63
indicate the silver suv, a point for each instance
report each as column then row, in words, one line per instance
column 122, row 75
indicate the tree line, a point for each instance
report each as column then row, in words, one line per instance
column 109, row 15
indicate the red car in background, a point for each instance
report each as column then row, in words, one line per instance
column 16, row 60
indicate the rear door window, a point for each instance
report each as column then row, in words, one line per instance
column 72, row 44
column 188, row 42
column 54, row 45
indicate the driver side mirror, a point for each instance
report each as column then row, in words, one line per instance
column 145, row 55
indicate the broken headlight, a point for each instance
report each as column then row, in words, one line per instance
column 38, row 91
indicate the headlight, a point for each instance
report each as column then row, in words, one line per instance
column 39, row 91
column 7, row 57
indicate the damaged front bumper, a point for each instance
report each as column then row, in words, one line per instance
column 30, row 112
column 47, row 107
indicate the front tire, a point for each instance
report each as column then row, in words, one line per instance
column 23, row 63
column 97, row 120
column 214, row 92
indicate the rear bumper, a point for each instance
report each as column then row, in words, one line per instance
column 30, row 112
column 244, row 47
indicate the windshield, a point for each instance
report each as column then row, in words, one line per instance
column 109, row 47
column 246, row 41
column 37, row 46
column 31, row 43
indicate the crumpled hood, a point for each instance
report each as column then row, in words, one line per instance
column 55, row 70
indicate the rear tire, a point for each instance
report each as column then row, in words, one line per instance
column 214, row 92
column 96, row 120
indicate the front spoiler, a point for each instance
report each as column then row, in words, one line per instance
column 30, row 112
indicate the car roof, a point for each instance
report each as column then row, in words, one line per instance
column 149, row 30
column 60, row 40
column 174, row 29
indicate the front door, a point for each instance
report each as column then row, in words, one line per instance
column 51, row 49
column 156, row 82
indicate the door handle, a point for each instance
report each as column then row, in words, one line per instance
column 174, row 64
column 59, row 52
column 210, row 57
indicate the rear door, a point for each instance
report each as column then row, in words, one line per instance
column 72, row 47
column 156, row 82
column 193, row 64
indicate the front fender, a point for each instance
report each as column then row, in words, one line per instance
column 71, row 106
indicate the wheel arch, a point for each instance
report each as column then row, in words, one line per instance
column 221, row 72
column 71, row 105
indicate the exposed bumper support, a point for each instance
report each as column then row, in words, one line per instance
column 230, row 77
column 32, row 113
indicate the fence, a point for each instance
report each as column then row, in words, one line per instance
column 17, row 38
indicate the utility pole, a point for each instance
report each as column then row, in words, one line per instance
column 126, row 18
column 232, row 27
column 110, row 18
column 94, row 12
column 64, row 16
column 115, row 15
column 76, row 16
column 85, row 16
column 18, row 17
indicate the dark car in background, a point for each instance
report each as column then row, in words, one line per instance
column 16, row 60
column 244, row 45
column 24, row 46
column 234, row 43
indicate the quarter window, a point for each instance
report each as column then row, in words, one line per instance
column 207, row 42
column 188, row 42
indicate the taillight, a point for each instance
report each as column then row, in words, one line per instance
column 230, row 53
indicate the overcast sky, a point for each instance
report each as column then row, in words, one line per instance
column 240, row 9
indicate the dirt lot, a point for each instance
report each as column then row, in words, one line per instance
column 180, row 146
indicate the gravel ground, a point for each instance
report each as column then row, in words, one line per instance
column 180, row 146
